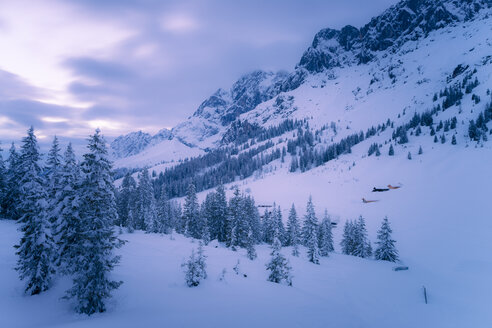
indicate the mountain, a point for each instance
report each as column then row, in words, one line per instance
column 367, row 70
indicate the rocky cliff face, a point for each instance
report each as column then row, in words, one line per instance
column 407, row 20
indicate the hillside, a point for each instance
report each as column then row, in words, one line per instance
column 440, row 221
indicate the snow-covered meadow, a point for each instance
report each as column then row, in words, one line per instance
column 441, row 221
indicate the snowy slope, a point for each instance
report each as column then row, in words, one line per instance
column 169, row 150
column 440, row 219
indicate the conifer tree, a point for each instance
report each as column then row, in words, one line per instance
column 3, row 184
column 220, row 214
column 91, row 279
column 250, row 245
column 391, row 151
column 67, row 229
column 195, row 267
column 386, row 250
column 278, row 224
column 347, row 242
column 325, row 236
column 310, row 232
column 252, row 215
column 420, row 150
column 53, row 183
column 126, row 201
column 453, row 140
column 36, row 248
column 279, row 266
column 164, row 214
column 191, row 214
column 268, row 228
column 293, row 231
column 145, row 207
column 409, row 156
column 12, row 199
column 362, row 247
column 237, row 219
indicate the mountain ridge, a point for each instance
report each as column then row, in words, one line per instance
column 212, row 124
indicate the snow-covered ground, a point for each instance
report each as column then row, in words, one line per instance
column 441, row 221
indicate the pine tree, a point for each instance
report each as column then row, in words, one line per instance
column 391, row 151
column 279, row 266
column 409, row 156
column 310, row 232
column 325, row 236
column 278, row 224
column 293, row 231
column 250, row 245
column 347, row 242
column 238, row 221
column 13, row 198
column 420, row 150
column 67, row 229
column 268, row 227
column 125, row 201
column 91, row 282
column 191, row 214
column 3, row 184
column 362, row 245
column 195, row 268
column 36, row 247
column 220, row 214
column 53, row 184
column 145, row 207
column 453, row 140
column 386, row 250
column 164, row 214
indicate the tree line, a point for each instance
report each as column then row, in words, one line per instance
column 66, row 211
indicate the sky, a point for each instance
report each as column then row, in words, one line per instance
column 68, row 67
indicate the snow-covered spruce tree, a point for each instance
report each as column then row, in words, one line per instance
column 325, row 236
column 391, row 151
column 238, row 221
column 53, row 185
column 293, row 231
column 347, row 242
column 220, row 214
column 3, row 184
column 67, row 228
column 253, row 216
column 268, row 227
column 12, row 198
column 279, row 266
column 362, row 247
column 386, row 250
column 279, row 225
column 250, row 245
column 164, row 214
column 310, row 232
column 191, row 214
column 125, row 201
column 145, row 208
column 195, row 267
column 36, row 247
column 91, row 278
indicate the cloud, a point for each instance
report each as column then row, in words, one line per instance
column 179, row 23
column 126, row 65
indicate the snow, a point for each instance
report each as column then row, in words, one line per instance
column 165, row 151
column 441, row 222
